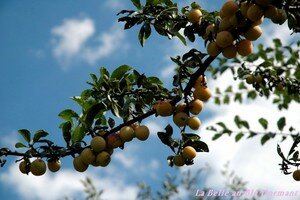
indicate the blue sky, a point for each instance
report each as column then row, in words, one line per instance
column 49, row 48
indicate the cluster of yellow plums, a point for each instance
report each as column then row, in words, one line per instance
column 97, row 154
column 181, row 115
column 258, row 79
column 239, row 26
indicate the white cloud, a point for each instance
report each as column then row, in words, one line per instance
column 71, row 41
column 66, row 183
column 276, row 31
column 9, row 140
column 70, row 37
column 116, row 4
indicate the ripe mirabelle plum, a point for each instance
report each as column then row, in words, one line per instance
column 255, row 12
column 224, row 39
column 23, row 167
column 178, row 160
column 114, row 140
column 263, row 2
column 244, row 47
column 196, row 106
column 164, row 109
column 54, row 165
column 229, row 8
column 202, row 93
column 38, row 167
column 270, row 12
column 229, row 52
column 213, row 49
column 180, row 119
column 98, row 144
column 142, row 133
column 189, row 152
column 87, row 156
column 79, row 165
column 253, row 33
column 250, row 79
column 126, row 133
column 296, row 175
column 194, row 123
column 195, row 16
column 103, row 159
column 180, row 107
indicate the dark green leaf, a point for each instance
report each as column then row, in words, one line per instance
column 25, row 134
column 20, row 145
column 281, row 123
column 120, row 72
column 264, row 123
column 79, row 133
column 39, row 134
column 137, row 4
column 66, row 130
column 239, row 136
column 68, row 114
column 111, row 122
column 169, row 130
column 198, row 145
column 217, row 136
column 190, row 136
column 92, row 112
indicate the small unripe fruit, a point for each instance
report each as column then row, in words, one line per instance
column 103, row 159
column 279, row 86
column 178, row 160
column 253, row 33
column 224, row 39
column 254, row 13
column 189, row 152
column 126, row 133
column 114, row 140
column 250, row 79
column 38, row 167
column 87, row 156
column 164, row 109
column 196, row 106
column 79, row 165
column 244, row 47
column 142, row 133
column 23, row 167
column 195, row 16
column 258, row 79
column 213, row 49
column 180, row 119
column 202, row 93
column 54, row 165
column 229, row 52
column 98, row 144
column 296, row 175
column 194, row 123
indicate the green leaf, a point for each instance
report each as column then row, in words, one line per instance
column 120, row 72
column 198, row 145
column 25, row 134
column 166, row 139
column 137, row 4
column 264, row 123
column 154, row 80
column 281, row 123
column 190, row 136
column 20, row 145
column 68, row 114
column 66, row 130
column 92, row 112
column 144, row 33
column 78, row 133
column 39, row 134
column 111, row 122
column 217, row 136
column 266, row 137
column 181, row 38
column 169, row 129
column 239, row 136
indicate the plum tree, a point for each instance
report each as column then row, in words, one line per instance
column 132, row 96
